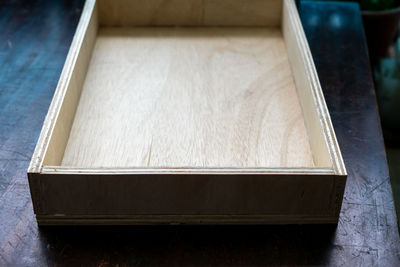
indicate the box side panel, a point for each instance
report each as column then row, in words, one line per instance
column 34, row 187
column 190, row 12
column 55, row 131
column 136, row 195
column 72, row 87
column 339, row 188
column 323, row 141
column 301, row 73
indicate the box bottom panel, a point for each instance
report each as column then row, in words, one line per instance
column 198, row 97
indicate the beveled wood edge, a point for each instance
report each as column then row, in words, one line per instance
column 56, row 103
column 61, row 219
column 185, row 170
column 316, row 89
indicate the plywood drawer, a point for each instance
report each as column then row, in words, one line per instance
column 188, row 111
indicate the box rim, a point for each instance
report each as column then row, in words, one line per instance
column 36, row 164
column 187, row 171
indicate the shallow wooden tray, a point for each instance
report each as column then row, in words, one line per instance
column 188, row 111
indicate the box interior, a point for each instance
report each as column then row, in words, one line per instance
column 199, row 97
column 187, row 96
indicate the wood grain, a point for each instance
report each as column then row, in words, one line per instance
column 301, row 195
column 160, row 114
column 56, row 128
column 323, row 142
column 243, row 12
column 198, row 97
column 190, row 12
column 366, row 235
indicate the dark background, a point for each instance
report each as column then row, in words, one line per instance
column 34, row 41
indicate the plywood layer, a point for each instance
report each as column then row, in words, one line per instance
column 188, row 97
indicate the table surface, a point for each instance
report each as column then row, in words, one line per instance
column 34, row 41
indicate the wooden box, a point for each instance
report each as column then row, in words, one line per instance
column 188, row 111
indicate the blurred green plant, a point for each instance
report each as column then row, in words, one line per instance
column 376, row 5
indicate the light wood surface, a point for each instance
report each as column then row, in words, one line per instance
column 59, row 119
column 198, row 97
column 305, row 87
column 187, row 125
column 322, row 137
column 190, row 12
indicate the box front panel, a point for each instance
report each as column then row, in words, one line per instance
column 185, row 194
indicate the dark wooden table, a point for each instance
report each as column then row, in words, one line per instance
column 34, row 40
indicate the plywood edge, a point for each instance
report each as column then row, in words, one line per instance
column 65, row 77
column 60, row 219
column 187, row 171
column 328, row 131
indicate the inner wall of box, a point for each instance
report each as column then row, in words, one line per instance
column 187, row 97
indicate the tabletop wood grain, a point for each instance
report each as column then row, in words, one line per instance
column 34, row 41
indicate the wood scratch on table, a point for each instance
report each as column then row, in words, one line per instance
column 377, row 186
